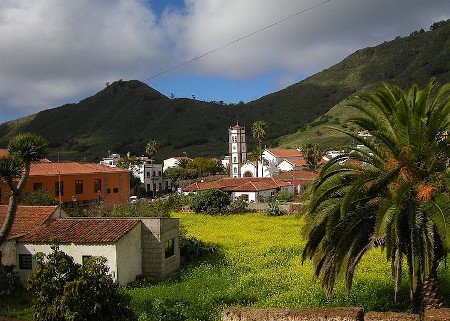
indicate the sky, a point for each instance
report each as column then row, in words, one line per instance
column 55, row 52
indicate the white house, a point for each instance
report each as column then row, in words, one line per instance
column 131, row 246
column 250, row 189
column 111, row 161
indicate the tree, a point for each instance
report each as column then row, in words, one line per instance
column 151, row 149
column 64, row 290
column 211, row 202
column 14, row 170
column 39, row 197
column 259, row 131
column 394, row 194
column 312, row 154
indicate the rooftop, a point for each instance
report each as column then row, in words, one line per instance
column 82, row 231
column 283, row 153
column 56, row 168
column 237, row 184
column 27, row 218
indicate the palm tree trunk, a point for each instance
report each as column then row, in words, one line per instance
column 432, row 297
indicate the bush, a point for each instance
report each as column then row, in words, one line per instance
column 193, row 249
column 9, row 280
column 273, row 209
column 284, row 196
column 64, row 290
column 211, row 202
column 39, row 197
column 237, row 206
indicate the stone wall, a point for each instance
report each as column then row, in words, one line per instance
column 156, row 231
column 329, row 314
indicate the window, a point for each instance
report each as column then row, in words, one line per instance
column 25, row 262
column 234, row 159
column 115, row 190
column 233, row 139
column 235, row 170
column 169, row 248
column 78, row 187
column 37, row 186
column 97, row 185
column 159, row 173
column 148, row 174
column 59, row 188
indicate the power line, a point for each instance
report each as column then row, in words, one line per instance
column 237, row 40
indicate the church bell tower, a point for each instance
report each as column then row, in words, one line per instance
column 237, row 149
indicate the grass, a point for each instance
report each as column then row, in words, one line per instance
column 261, row 267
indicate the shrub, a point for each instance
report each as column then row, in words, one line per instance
column 211, row 202
column 273, row 209
column 284, row 196
column 64, row 290
column 237, row 206
column 39, row 197
column 9, row 280
column 193, row 249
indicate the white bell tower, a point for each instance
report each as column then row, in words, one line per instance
column 237, row 149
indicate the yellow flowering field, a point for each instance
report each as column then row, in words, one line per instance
column 260, row 266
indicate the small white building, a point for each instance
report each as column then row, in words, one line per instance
column 131, row 246
column 111, row 161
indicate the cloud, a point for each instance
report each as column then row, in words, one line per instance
column 54, row 52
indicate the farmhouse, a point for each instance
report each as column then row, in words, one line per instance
column 131, row 246
column 249, row 188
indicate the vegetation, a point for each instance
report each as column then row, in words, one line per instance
column 394, row 193
column 260, row 266
column 259, row 132
column 273, row 209
column 39, row 197
column 64, row 290
column 211, row 202
column 14, row 170
column 9, row 280
column 312, row 154
column 85, row 130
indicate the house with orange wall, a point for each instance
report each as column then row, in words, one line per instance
column 77, row 184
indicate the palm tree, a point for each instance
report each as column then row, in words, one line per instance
column 312, row 154
column 15, row 169
column 151, row 149
column 259, row 131
column 394, row 193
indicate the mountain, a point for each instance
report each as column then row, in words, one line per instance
column 125, row 115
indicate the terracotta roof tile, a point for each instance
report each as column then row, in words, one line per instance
column 233, row 184
column 299, row 175
column 82, row 231
column 27, row 218
column 282, row 153
column 50, row 168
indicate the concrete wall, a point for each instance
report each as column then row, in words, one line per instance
column 156, row 231
column 129, row 256
column 77, row 251
column 329, row 314
column 9, row 253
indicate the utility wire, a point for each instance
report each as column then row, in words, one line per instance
column 237, row 40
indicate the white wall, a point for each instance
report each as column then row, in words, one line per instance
column 251, row 196
column 285, row 166
column 248, row 167
column 75, row 250
column 129, row 256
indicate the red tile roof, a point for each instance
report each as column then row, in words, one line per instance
column 4, row 152
column 238, row 184
column 50, row 168
column 283, row 153
column 27, row 218
column 303, row 175
column 82, row 231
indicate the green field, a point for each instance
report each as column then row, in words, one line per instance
column 260, row 267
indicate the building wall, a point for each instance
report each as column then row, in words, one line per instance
column 155, row 232
column 9, row 253
column 129, row 256
column 285, row 166
column 251, row 196
column 77, row 251
column 115, row 188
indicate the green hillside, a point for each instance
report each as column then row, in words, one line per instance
column 127, row 114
